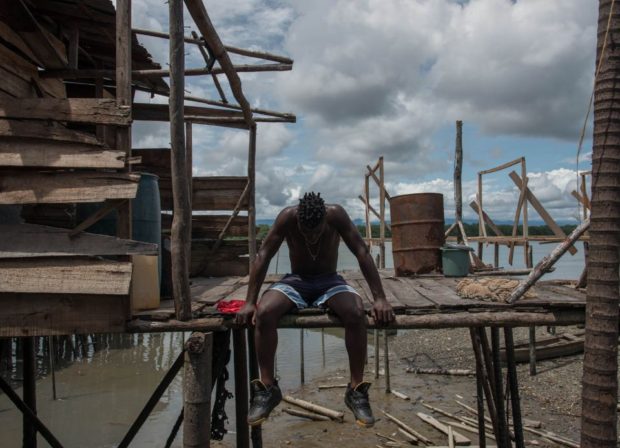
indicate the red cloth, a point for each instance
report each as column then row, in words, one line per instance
column 230, row 306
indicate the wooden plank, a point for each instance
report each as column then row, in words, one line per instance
column 78, row 110
column 487, row 220
column 31, row 240
column 65, row 276
column 36, row 188
column 555, row 228
column 442, row 295
column 50, row 154
column 46, row 47
column 160, row 112
column 209, row 193
column 153, row 160
column 58, row 314
column 44, row 130
column 14, row 85
column 16, row 64
column 210, row 226
column 361, row 287
column 459, row 439
column 389, row 294
column 8, row 35
column 54, row 88
column 408, row 295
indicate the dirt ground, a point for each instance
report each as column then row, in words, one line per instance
column 552, row 396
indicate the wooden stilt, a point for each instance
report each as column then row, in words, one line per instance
column 376, row 340
column 458, row 170
column 256, row 432
column 180, row 231
column 513, row 384
column 502, row 425
column 386, row 361
column 52, row 354
column 241, row 388
column 482, row 373
column 29, row 388
column 482, row 440
column 302, row 367
column 197, row 391
column 532, row 347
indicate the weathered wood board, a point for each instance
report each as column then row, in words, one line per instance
column 161, row 112
column 57, row 314
column 209, row 193
column 65, row 276
column 31, row 240
column 66, row 187
column 38, row 129
column 50, row 154
column 210, row 226
column 79, row 110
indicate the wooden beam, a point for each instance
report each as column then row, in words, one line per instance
column 44, row 130
column 66, row 275
column 50, row 154
column 555, row 228
column 31, row 240
column 79, row 110
column 487, row 219
column 198, row 12
column 198, row 41
column 502, row 167
column 163, row 73
column 181, row 221
column 161, row 112
column 209, row 193
column 65, row 187
column 58, row 314
column 107, row 207
column 209, row 64
column 11, row 37
column 458, row 172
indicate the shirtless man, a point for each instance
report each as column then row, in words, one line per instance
column 312, row 231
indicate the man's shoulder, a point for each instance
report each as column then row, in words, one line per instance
column 287, row 214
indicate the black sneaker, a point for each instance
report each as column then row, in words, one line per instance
column 357, row 400
column 264, row 400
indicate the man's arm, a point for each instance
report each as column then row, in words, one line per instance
column 382, row 310
column 258, row 269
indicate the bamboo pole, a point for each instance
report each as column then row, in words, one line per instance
column 180, row 236
column 306, row 414
column 197, row 390
column 407, row 428
column 548, row 261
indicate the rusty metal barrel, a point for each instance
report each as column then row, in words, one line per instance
column 417, row 223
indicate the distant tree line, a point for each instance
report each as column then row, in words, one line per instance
column 471, row 229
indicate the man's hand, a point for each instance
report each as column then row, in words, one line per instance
column 246, row 315
column 382, row 312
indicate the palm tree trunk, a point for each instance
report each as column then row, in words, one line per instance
column 600, row 364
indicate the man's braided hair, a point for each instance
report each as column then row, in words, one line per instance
column 311, row 210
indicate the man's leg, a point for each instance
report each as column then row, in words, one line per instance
column 349, row 309
column 272, row 306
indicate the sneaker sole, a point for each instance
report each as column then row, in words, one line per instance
column 258, row 422
column 360, row 422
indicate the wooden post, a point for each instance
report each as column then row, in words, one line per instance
column 376, row 338
column 189, row 154
column 197, row 390
column 252, row 193
column 52, row 355
column 180, row 232
column 123, row 99
column 496, row 255
column 525, row 224
column 532, row 349
column 382, row 212
column 458, row 171
column 367, row 198
column 241, row 388
column 484, row 371
column 30, row 395
column 482, row 439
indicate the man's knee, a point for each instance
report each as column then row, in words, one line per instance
column 352, row 314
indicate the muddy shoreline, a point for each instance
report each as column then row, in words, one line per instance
column 552, row 397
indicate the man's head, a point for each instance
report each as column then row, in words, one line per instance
column 311, row 210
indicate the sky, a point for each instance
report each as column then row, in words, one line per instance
column 389, row 78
